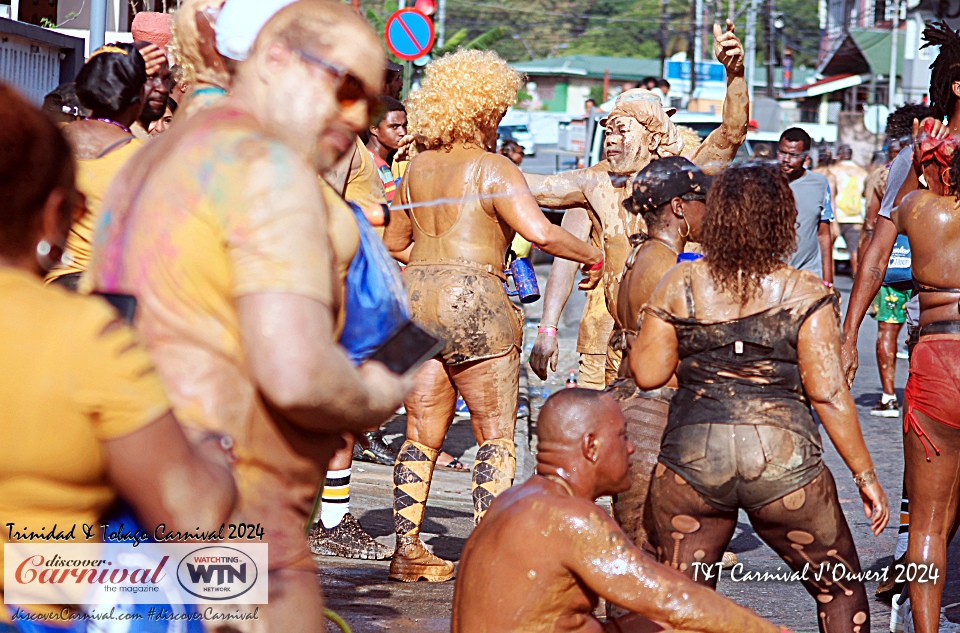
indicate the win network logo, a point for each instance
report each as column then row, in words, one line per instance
column 217, row 573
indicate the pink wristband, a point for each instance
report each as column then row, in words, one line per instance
column 597, row 266
column 549, row 330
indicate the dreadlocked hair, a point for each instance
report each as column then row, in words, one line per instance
column 953, row 188
column 900, row 121
column 946, row 67
column 749, row 228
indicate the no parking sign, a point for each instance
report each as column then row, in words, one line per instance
column 409, row 34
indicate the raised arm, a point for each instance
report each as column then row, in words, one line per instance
column 818, row 354
column 604, row 559
column 520, row 211
column 559, row 191
column 563, row 274
column 720, row 147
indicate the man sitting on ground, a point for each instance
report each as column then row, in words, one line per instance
column 546, row 553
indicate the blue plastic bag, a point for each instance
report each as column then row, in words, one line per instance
column 375, row 302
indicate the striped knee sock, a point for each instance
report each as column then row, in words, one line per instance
column 335, row 499
column 904, row 532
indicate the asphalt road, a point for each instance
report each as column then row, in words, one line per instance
column 360, row 592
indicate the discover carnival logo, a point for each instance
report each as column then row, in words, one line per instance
column 151, row 573
column 217, row 573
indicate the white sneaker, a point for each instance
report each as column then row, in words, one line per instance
column 901, row 619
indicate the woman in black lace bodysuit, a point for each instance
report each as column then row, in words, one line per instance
column 754, row 343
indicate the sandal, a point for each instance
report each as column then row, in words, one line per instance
column 455, row 464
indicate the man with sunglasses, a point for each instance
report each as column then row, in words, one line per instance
column 814, row 214
column 222, row 234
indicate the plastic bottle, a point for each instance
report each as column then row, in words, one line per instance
column 572, row 380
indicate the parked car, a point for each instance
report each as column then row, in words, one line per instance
column 521, row 135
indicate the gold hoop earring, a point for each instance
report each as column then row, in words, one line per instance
column 682, row 234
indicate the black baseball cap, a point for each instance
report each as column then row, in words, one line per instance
column 665, row 179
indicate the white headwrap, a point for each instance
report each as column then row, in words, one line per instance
column 240, row 22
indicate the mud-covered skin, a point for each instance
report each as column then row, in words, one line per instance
column 602, row 188
column 507, row 583
column 467, row 206
column 646, row 415
column 929, row 219
column 688, row 292
column 465, row 306
column 806, row 527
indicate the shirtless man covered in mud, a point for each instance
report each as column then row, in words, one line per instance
column 638, row 130
column 460, row 206
column 546, row 552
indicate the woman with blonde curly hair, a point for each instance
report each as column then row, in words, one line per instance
column 206, row 72
column 463, row 204
column 754, row 344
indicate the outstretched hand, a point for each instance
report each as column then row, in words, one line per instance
column 728, row 48
column 851, row 361
column 544, row 355
column 592, row 279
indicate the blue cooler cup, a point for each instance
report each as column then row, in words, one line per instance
column 525, row 280
column 689, row 257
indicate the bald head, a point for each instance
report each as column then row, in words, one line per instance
column 313, row 72
column 570, row 414
column 323, row 27
column 582, row 438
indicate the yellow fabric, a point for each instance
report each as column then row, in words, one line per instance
column 70, row 383
column 344, row 237
column 227, row 212
column 592, row 371
column 93, row 178
column 520, row 246
column 364, row 187
column 399, row 168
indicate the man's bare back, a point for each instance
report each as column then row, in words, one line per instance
column 545, row 552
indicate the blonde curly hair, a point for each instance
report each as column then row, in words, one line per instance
column 463, row 96
column 187, row 40
column 691, row 141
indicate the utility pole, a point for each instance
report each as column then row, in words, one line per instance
column 698, row 34
column 692, row 55
column 441, row 23
column 771, row 47
column 98, row 24
column 663, row 37
column 751, row 46
column 892, row 90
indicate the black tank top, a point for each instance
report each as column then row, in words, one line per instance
column 744, row 371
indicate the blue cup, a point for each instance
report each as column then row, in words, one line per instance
column 525, row 280
column 689, row 257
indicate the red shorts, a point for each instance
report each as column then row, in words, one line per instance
column 933, row 387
